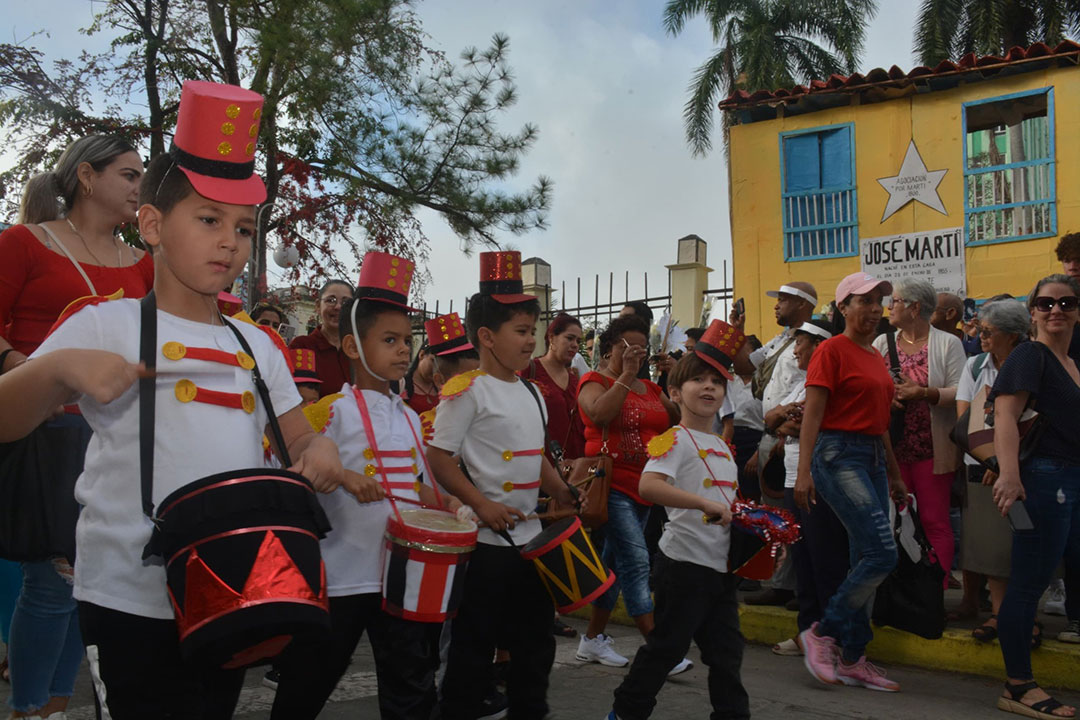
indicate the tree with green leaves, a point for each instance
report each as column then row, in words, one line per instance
column 950, row 29
column 363, row 124
column 766, row 44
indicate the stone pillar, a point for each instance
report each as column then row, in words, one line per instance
column 536, row 277
column 689, row 281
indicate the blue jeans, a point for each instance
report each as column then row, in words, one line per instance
column 10, row 586
column 849, row 472
column 626, row 554
column 1053, row 501
column 46, row 647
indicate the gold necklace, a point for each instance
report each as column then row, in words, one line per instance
column 119, row 257
column 916, row 341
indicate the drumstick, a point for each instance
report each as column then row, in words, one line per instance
column 559, row 515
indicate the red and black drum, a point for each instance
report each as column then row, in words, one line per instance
column 569, row 567
column 245, row 575
column 427, row 553
column 757, row 532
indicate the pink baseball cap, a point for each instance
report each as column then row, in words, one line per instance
column 860, row 283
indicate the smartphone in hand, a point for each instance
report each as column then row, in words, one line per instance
column 740, row 307
column 1018, row 516
column 969, row 309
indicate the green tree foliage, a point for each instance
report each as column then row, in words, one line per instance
column 950, row 29
column 766, row 44
column 363, row 124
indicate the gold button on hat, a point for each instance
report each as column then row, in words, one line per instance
column 173, row 350
column 185, row 390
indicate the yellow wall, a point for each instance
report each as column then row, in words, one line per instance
column 882, row 133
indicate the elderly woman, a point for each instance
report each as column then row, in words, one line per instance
column 622, row 412
column 331, row 363
column 1041, row 496
column 64, row 248
column 986, row 540
column 931, row 361
column 846, row 457
column 558, row 383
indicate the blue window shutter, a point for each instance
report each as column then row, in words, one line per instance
column 802, row 168
column 836, row 158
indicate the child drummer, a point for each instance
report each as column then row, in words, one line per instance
column 197, row 213
column 451, row 354
column 378, row 437
column 496, row 424
column 695, row 594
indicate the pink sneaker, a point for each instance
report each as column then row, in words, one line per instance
column 866, row 674
column 819, row 655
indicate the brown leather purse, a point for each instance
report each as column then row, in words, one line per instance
column 591, row 476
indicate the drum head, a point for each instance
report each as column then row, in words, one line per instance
column 437, row 521
column 553, row 531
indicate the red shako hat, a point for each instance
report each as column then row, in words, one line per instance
column 446, row 335
column 303, row 364
column 500, row 277
column 217, row 129
column 228, row 303
column 719, row 346
column 385, row 278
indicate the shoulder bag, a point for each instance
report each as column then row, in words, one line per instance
column 764, row 372
column 974, row 430
column 897, row 415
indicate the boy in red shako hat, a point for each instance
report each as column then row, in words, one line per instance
column 197, row 213
column 379, row 438
column 695, row 591
column 451, row 354
column 304, row 375
column 495, row 422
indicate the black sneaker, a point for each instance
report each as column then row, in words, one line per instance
column 494, row 707
column 270, row 679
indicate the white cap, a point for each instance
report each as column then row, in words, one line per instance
column 806, row 292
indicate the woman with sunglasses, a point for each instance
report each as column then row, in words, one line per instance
column 331, row 363
column 1041, row 496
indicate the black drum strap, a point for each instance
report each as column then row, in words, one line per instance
column 147, row 396
column 264, row 394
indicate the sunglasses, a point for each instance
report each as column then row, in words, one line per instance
column 1045, row 304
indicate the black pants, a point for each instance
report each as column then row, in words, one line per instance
column 692, row 603
column 138, row 673
column 746, row 444
column 405, row 662
column 821, row 558
column 503, row 601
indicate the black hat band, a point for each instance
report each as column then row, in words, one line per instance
column 721, row 357
column 213, row 168
column 448, row 345
column 501, row 287
column 370, row 293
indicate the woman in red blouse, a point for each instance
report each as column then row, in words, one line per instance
column 64, row 248
column 621, row 414
column 559, row 385
column 331, row 363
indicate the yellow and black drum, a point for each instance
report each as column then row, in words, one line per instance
column 568, row 564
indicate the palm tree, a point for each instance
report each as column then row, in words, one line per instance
column 766, row 44
column 949, row 29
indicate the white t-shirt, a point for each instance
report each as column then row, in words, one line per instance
column 968, row 386
column 488, row 424
column 791, row 444
column 353, row 550
column 747, row 407
column 686, row 538
column 192, row 440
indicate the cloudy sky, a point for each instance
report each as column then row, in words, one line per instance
column 606, row 87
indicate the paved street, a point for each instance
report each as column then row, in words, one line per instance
column 779, row 688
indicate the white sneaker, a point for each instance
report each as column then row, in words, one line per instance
column 600, row 649
column 684, row 665
column 1055, row 598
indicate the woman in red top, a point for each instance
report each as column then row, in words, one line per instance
column 331, row 363
column 57, row 254
column 622, row 413
column 559, row 385
column 845, row 457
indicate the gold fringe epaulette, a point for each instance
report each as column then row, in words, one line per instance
column 319, row 413
column 459, row 384
column 663, row 444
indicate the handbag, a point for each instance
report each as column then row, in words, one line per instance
column 912, row 597
column 588, row 475
column 896, row 415
column 974, row 431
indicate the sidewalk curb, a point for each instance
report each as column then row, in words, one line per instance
column 1055, row 664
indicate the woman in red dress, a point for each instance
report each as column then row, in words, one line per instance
column 559, row 385
column 331, row 364
column 62, row 251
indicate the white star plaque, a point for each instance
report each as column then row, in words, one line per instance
column 914, row 182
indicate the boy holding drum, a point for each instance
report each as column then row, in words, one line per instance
column 379, row 439
column 692, row 474
column 496, row 425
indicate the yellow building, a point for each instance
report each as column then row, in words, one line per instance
column 965, row 174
